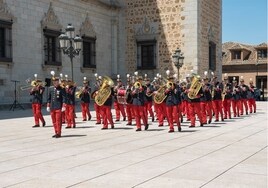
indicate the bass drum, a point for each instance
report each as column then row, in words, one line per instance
column 121, row 96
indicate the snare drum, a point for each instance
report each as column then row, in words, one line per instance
column 121, row 96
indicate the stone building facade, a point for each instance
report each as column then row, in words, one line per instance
column 188, row 25
column 120, row 37
column 246, row 61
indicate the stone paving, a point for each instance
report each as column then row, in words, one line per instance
column 232, row 153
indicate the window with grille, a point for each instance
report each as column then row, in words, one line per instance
column 5, row 41
column 52, row 49
column 89, row 52
column 146, row 56
column 212, row 56
column 262, row 53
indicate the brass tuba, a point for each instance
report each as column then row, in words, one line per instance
column 160, row 95
column 105, row 91
column 194, row 88
column 79, row 92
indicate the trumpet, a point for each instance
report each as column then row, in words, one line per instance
column 79, row 92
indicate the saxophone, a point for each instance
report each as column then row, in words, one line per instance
column 194, row 88
column 224, row 92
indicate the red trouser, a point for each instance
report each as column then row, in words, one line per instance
column 188, row 113
column 139, row 114
column 129, row 113
column 184, row 108
column 161, row 112
column 226, row 104
column 106, row 115
column 236, row 106
column 98, row 113
column 217, row 107
column 203, row 109
column 69, row 113
column 243, row 102
column 85, row 111
column 119, row 108
column 37, row 113
column 179, row 112
column 63, row 117
column 252, row 103
column 172, row 115
column 148, row 108
column 56, row 120
column 195, row 108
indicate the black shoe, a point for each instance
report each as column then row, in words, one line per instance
column 179, row 129
column 216, row 120
column 146, row 126
column 89, row 118
column 57, row 136
column 222, row 119
column 171, row 131
column 84, row 119
column 254, row 111
column 181, row 120
column 74, row 126
column 36, row 126
column 112, row 127
column 246, row 113
column 129, row 123
column 124, row 119
column 68, row 127
column 98, row 123
column 152, row 119
column 201, row 125
column 139, row 129
column 161, row 125
column 117, row 120
column 104, row 128
column 54, row 136
column 209, row 121
column 192, row 126
column 44, row 124
column 63, row 122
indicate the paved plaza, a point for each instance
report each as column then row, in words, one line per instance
column 232, row 153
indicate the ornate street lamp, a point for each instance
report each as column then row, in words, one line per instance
column 70, row 44
column 178, row 59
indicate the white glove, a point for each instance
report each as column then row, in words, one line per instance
column 63, row 109
column 48, row 109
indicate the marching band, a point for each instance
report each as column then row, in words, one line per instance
column 143, row 100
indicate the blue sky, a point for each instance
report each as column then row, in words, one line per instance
column 244, row 21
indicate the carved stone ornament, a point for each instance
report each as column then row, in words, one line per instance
column 87, row 28
column 50, row 20
column 146, row 28
column 4, row 12
column 210, row 33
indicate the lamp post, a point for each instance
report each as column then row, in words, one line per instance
column 70, row 44
column 178, row 59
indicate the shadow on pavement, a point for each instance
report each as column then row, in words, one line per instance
column 74, row 135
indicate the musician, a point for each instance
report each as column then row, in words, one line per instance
column 194, row 104
column 206, row 101
column 138, row 95
column 217, row 88
column 96, row 106
column 119, row 108
column 188, row 85
column 251, row 97
column 105, row 109
column 171, row 105
column 243, row 94
column 226, row 98
column 129, row 100
column 236, row 98
column 148, row 98
column 85, row 100
column 184, row 101
column 55, row 105
column 37, row 100
column 70, row 104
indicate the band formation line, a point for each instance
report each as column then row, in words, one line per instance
column 162, row 98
